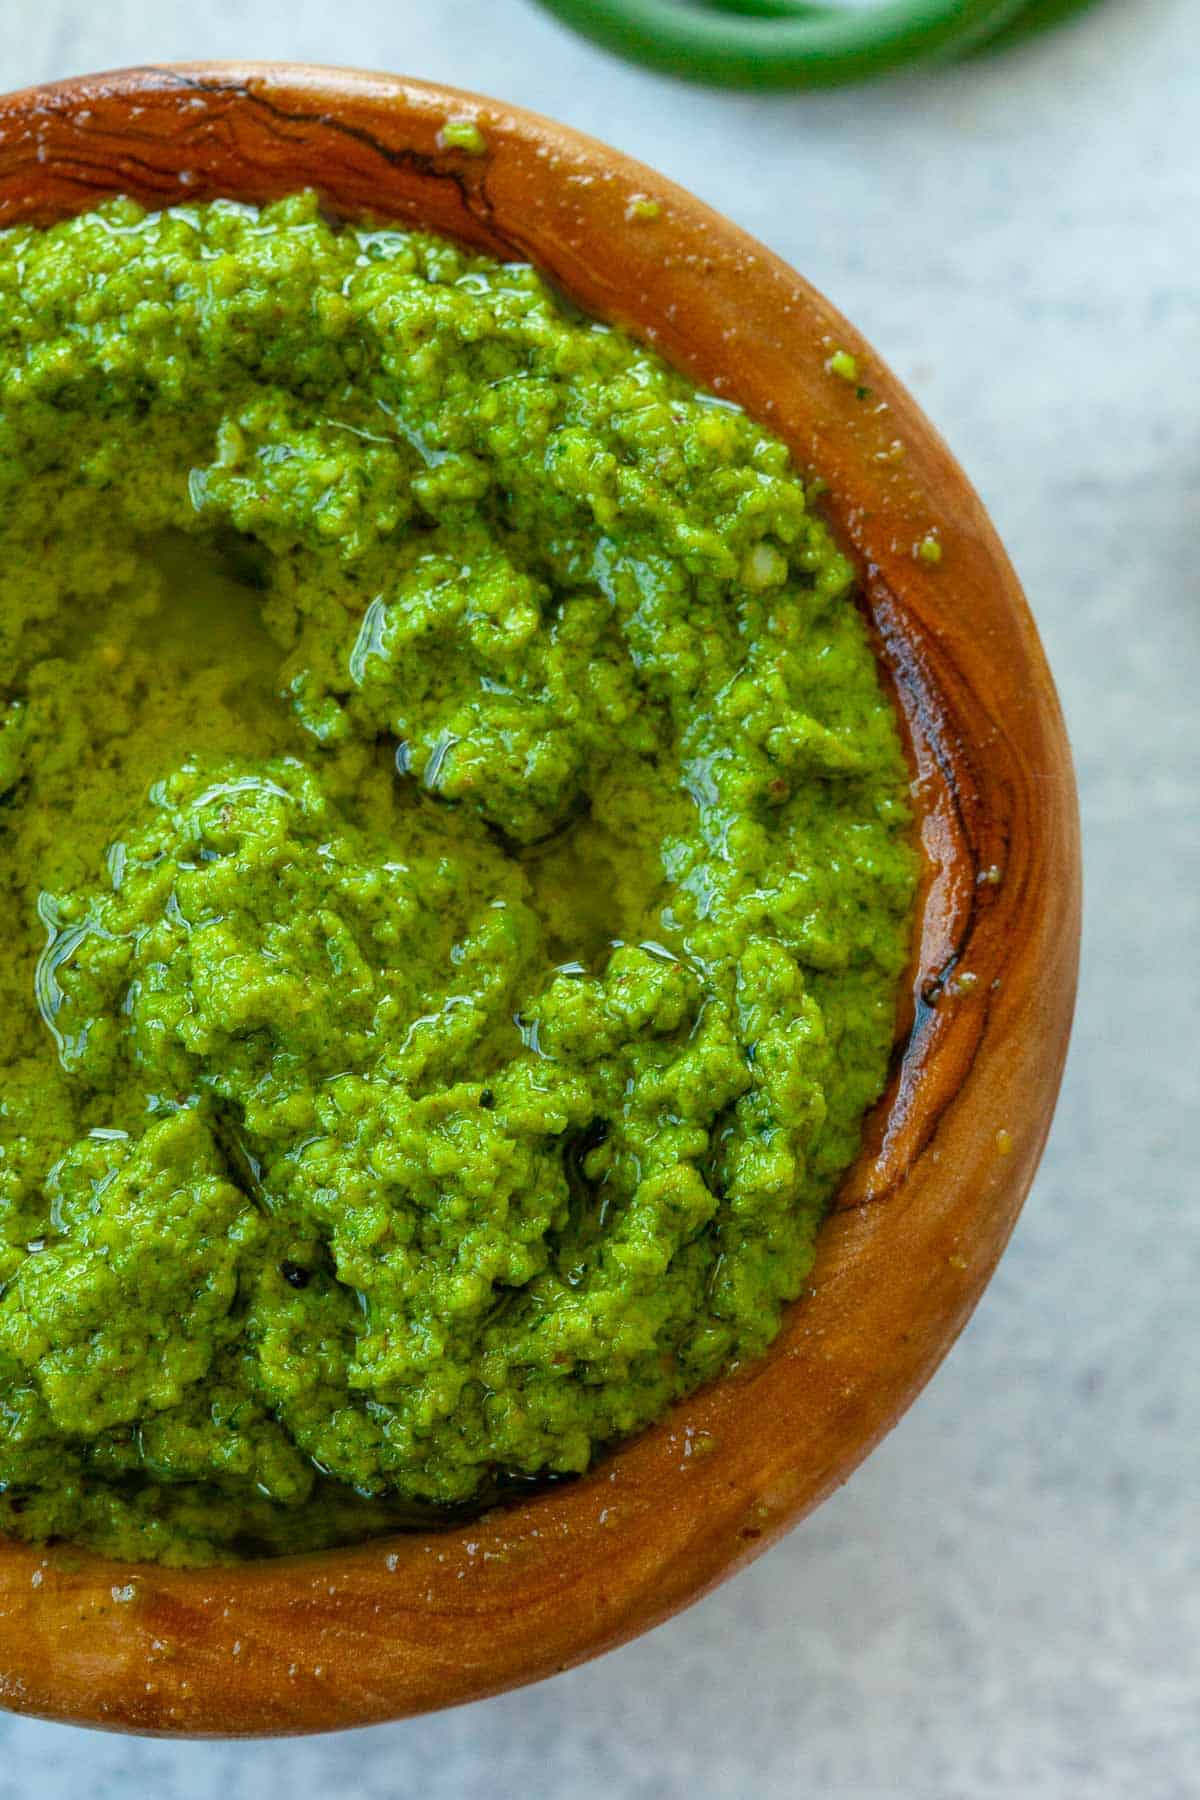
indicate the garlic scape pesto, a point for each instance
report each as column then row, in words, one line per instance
column 455, row 880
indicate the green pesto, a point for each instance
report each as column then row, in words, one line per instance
column 455, row 881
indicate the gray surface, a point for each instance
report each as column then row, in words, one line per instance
column 1006, row 1600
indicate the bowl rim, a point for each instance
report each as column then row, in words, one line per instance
column 407, row 1624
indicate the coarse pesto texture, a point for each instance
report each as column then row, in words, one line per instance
column 455, row 881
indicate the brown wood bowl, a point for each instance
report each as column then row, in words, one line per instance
column 415, row 1622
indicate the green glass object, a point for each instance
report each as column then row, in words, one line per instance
column 798, row 44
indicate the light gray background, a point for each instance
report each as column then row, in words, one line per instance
column 1005, row 1602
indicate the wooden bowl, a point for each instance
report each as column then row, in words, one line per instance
column 415, row 1622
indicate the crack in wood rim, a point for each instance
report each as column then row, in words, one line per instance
column 407, row 1624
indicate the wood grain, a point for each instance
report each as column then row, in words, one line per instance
column 422, row 1621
